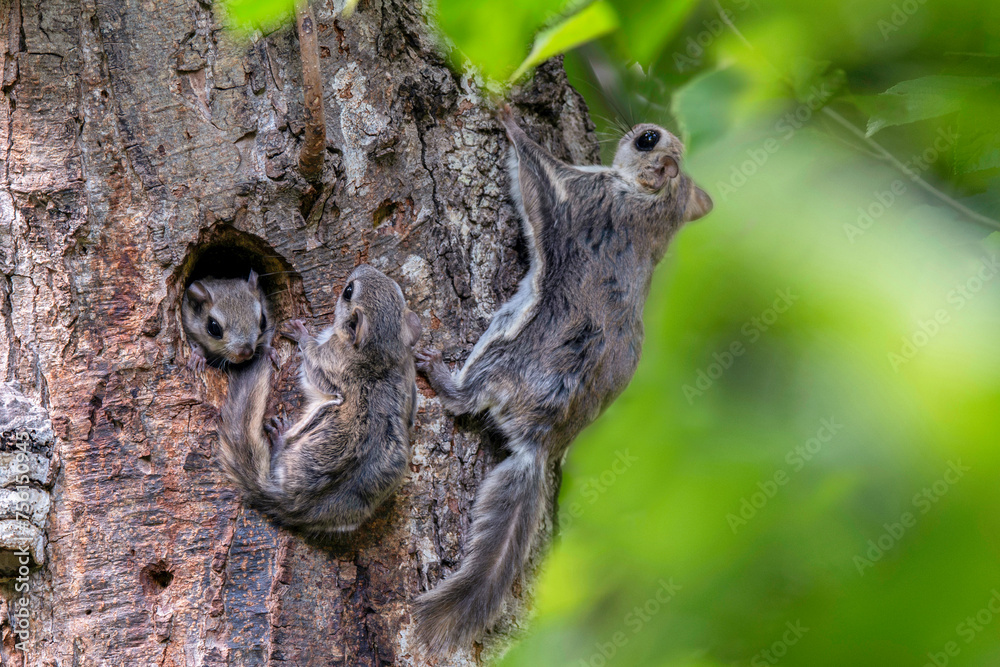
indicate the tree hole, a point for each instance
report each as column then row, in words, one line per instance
column 225, row 252
column 155, row 577
column 384, row 211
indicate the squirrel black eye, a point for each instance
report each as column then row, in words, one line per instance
column 349, row 291
column 647, row 140
column 263, row 321
column 214, row 329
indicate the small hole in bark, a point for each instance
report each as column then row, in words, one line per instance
column 89, row 612
column 384, row 211
column 155, row 577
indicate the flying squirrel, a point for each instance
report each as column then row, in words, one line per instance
column 557, row 353
column 226, row 320
column 349, row 450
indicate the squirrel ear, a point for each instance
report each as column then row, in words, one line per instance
column 252, row 280
column 359, row 325
column 413, row 328
column 199, row 295
column 698, row 206
column 670, row 167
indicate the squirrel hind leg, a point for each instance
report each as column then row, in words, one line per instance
column 276, row 430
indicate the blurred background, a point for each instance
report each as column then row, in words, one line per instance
column 804, row 469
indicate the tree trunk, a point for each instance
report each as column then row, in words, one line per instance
column 143, row 146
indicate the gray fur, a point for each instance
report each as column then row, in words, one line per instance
column 350, row 449
column 559, row 352
column 237, row 307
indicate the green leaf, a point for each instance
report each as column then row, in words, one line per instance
column 978, row 145
column 923, row 98
column 593, row 21
column 493, row 36
column 648, row 25
column 267, row 14
column 973, row 100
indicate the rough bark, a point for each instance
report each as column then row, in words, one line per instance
column 142, row 146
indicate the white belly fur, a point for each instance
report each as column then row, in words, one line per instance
column 508, row 321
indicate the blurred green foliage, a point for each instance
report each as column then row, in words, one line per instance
column 803, row 470
column 594, row 20
column 245, row 15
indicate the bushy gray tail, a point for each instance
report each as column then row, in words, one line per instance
column 505, row 519
column 245, row 452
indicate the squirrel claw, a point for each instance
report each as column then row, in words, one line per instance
column 277, row 426
column 426, row 358
column 275, row 429
column 196, row 362
column 296, row 330
column 430, row 363
column 273, row 355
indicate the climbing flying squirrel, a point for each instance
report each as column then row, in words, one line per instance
column 226, row 321
column 557, row 353
column 349, row 450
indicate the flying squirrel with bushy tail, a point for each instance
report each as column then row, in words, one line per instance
column 560, row 351
column 329, row 470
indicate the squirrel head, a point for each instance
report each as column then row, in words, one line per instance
column 229, row 318
column 650, row 157
column 371, row 316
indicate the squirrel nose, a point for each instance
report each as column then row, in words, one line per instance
column 243, row 352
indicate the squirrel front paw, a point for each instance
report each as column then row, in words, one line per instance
column 427, row 359
column 197, row 360
column 273, row 355
column 430, row 362
column 296, row 330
